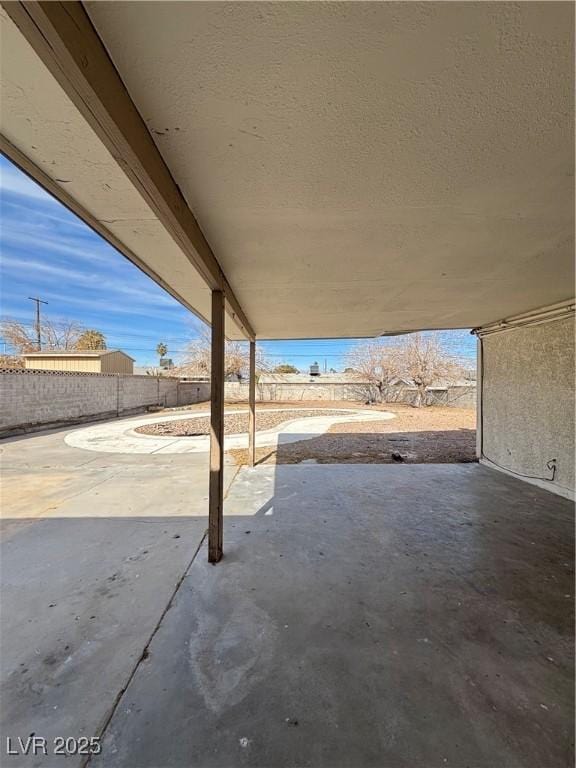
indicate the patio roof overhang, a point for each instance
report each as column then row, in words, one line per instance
column 335, row 169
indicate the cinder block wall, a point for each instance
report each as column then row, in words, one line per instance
column 192, row 392
column 527, row 404
column 282, row 392
column 30, row 399
column 459, row 397
column 142, row 391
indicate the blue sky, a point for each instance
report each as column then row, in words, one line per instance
column 47, row 252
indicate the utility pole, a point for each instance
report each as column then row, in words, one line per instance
column 38, row 334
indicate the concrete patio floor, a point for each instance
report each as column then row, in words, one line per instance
column 93, row 546
column 390, row 616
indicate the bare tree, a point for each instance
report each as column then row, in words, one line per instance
column 61, row 335
column 11, row 361
column 423, row 360
column 418, row 358
column 19, row 337
column 375, row 364
column 197, row 359
column 54, row 336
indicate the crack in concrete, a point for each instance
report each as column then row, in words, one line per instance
column 145, row 651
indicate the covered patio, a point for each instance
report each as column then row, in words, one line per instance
column 330, row 170
column 366, row 616
column 362, row 615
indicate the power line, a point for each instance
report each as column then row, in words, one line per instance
column 282, row 355
column 319, row 347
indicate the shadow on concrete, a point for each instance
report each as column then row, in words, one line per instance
column 365, row 616
column 378, row 615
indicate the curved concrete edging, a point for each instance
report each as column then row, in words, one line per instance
column 120, row 437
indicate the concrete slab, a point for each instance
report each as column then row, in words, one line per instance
column 93, row 547
column 121, row 437
column 365, row 616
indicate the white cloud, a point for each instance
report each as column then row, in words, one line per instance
column 63, row 243
column 14, row 182
column 114, row 290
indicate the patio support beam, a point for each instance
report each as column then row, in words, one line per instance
column 216, row 489
column 252, row 406
column 62, row 35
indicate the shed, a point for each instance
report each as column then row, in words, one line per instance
column 84, row 361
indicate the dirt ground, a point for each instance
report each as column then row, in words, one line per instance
column 433, row 435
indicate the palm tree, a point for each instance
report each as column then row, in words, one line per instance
column 161, row 351
column 91, row 339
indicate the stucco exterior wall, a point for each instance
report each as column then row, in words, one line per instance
column 527, row 411
column 34, row 399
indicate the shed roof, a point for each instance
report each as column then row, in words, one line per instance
column 77, row 353
column 343, row 169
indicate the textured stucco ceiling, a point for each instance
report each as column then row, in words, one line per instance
column 357, row 168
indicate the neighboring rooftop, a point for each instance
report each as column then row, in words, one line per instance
column 76, row 353
column 306, row 378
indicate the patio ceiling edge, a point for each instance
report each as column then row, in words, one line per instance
column 63, row 37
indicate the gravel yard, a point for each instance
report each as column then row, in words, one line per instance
column 234, row 423
column 433, row 435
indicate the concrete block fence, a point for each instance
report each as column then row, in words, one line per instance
column 289, row 391
column 33, row 399
column 456, row 396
